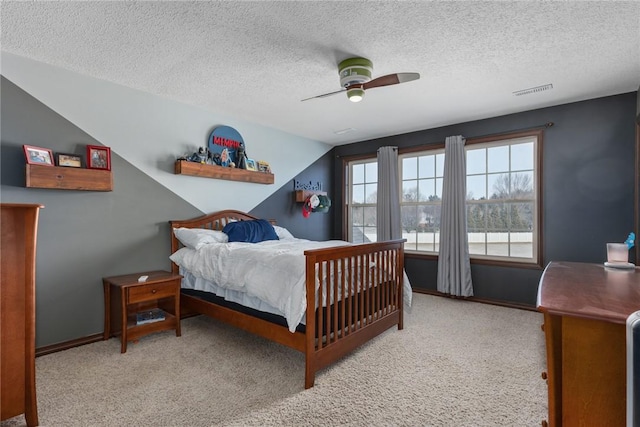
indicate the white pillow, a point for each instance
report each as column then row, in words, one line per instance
column 283, row 233
column 195, row 238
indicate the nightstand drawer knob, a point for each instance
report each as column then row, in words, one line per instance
column 154, row 291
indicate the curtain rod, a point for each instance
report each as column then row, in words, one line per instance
column 392, row 147
column 544, row 126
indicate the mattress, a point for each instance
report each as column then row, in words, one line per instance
column 192, row 282
column 268, row 276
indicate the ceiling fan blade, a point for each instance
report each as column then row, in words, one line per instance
column 391, row 79
column 324, row 95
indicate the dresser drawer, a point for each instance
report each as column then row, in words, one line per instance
column 152, row 292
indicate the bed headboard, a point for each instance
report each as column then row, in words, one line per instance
column 212, row 221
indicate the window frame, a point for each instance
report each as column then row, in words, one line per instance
column 347, row 163
column 537, row 258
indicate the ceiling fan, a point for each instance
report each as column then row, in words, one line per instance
column 355, row 78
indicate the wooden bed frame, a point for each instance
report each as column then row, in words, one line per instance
column 337, row 328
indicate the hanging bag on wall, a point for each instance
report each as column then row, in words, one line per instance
column 316, row 203
column 309, row 204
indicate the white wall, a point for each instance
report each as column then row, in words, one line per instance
column 150, row 132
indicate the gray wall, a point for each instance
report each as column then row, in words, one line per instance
column 84, row 236
column 289, row 213
column 588, row 184
column 587, row 191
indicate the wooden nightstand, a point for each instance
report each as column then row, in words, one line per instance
column 124, row 297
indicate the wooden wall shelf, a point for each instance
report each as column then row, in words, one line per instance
column 301, row 195
column 63, row 178
column 184, row 167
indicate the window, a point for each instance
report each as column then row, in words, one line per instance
column 361, row 200
column 421, row 197
column 502, row 198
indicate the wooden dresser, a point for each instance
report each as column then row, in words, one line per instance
column 585, row 310
column 19, row 223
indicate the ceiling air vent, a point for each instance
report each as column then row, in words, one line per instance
column 343, row 131
column 533, row 90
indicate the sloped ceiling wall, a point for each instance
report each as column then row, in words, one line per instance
column 151, row 132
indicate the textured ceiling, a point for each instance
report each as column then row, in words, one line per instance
column 256, row 60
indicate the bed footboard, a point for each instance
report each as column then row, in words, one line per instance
column 353, row 294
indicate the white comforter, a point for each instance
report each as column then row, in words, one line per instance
column 272, row 271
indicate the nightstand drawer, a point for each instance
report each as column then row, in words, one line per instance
column 150, row 292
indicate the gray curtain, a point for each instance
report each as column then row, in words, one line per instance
column 454, row 268
column 388, row 221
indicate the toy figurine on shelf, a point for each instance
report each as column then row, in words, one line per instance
column 225, row 159
column 203, row 153
column 241, row 157
column 199, row 157
column 215, row 158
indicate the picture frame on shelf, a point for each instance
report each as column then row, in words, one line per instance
column 98, row 157
column 69, row 160
column 264, row 166
column 251, row 165
column 38, row 155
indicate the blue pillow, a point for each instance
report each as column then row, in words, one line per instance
column 254, row 231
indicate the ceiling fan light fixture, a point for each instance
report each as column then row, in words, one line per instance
column 354, row 71
column 355, row 94
column 355, row 78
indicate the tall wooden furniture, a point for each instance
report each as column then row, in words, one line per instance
column 585, row 310
column 19, row 223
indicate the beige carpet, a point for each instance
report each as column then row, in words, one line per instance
column 456, row 363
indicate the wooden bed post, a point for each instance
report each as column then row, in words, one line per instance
column 400, row 274
column 310, row 326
